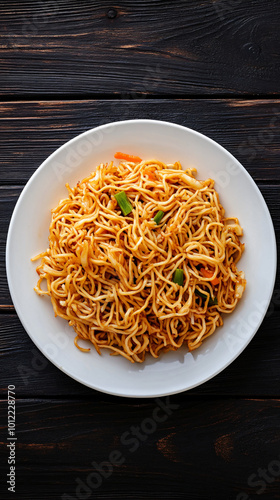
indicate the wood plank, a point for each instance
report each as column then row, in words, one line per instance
column 155, row 47
column 214, row 448
column 256, row 371
column 8, row 199
column 31, row 131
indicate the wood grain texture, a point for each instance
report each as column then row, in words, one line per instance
column 111, row 61
column 8, row 199
column 207, row 448
column 31, row 131
column 153, row 47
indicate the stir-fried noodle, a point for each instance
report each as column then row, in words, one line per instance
column 133, row 284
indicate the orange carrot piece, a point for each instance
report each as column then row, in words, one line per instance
column 208, row 274
column 215, row 281
column 124, row 156
column 151, row 174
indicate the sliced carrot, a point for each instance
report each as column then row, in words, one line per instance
column 208, row 274
column 124, row 156
column 215, row 281
column 151, row 174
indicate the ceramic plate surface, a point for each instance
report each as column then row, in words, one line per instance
column 176, row 371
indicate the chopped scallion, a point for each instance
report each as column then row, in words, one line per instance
column 211, row 302
column 123, row 202
column 158, row 216
column 178, row 277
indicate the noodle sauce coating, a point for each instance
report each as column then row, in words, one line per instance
column 151, row 280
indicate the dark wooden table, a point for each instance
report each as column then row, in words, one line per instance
column 70, row 65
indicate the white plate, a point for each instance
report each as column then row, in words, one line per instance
column 28, row 235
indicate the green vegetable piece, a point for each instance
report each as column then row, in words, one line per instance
column 123, row 203
column 211, row 302
column 179, row 277
column 158, row 216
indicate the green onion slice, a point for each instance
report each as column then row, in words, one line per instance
column 123, row 202
column 179, row 277
column 211, row 302
column 158, row 216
